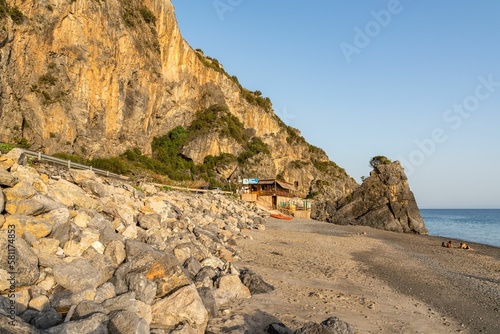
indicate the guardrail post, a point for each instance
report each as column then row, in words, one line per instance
column 39, row 155
column 69, row 164
column 90, row 168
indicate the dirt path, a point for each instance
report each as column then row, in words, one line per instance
column 379, row 282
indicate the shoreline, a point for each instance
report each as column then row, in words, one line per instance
column 460, row 232
column 458, row 240
column 378, row 281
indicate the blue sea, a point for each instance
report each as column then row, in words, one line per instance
column 473, row 225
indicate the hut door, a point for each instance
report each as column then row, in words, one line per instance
column 275, row 202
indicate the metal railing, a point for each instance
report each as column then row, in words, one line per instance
column 70, row 164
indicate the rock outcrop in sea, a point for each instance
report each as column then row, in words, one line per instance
column 384, row 201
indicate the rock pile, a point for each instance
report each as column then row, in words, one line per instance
column 87, row 255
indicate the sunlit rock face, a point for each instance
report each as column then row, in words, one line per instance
column 97, row 78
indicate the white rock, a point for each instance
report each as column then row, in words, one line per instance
column 81, row 219
column 230, row 287
column 130, row 232
column 99, row 247
column 48, row 283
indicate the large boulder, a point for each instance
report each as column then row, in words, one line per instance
column 254, row 282
column 7, row 179
column 78, row 275
column 182, row 306
column 71, row 195
column 24, row 199
column 14, row 156
column 2, row 201
column 144, row 289
column 37, row 226
column 332, row 325
column 61, row 301
column 15, row 325
column 125, row 322
column 128, row 302
column 96, row 324
column 230, row 287
column 19, row 265
column 159, row 267
column 384, row 201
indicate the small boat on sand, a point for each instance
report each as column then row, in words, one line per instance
column 281, row 216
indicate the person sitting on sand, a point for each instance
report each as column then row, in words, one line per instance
column 463, row 245
column 449, row 245
column 443, row 244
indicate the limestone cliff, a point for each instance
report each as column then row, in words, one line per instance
column 383, row 201
column 96, row 78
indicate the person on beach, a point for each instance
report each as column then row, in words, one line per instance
column 463, row 245
column 448, row 245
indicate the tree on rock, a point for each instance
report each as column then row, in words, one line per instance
column 379, row 160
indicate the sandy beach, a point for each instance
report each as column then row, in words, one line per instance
column 378, row 281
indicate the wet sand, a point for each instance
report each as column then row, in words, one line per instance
column 378, row 281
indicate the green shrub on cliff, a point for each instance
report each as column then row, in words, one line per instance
column 147, row 15
column 132, row 12
column 167, row 147
column 206, row 170
column 15, row 14
column 167, row 151
column 329, row 167
column 71, row 157
column 4, row 9
column 211, row 63
column 115, row 164
column 293, row 136
column 4, row 148
column 254, row 98
column 257, row 146
column 254, row 147
column 379, row 160
column 167, row 158
column 217, row 118
column 298, row 164
column 47, row 79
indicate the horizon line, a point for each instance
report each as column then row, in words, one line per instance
column 459, row 208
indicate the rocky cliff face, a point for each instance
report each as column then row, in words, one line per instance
column 383, row 201
column 96, row 78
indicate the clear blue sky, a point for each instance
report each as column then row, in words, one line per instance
column 416, row 81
